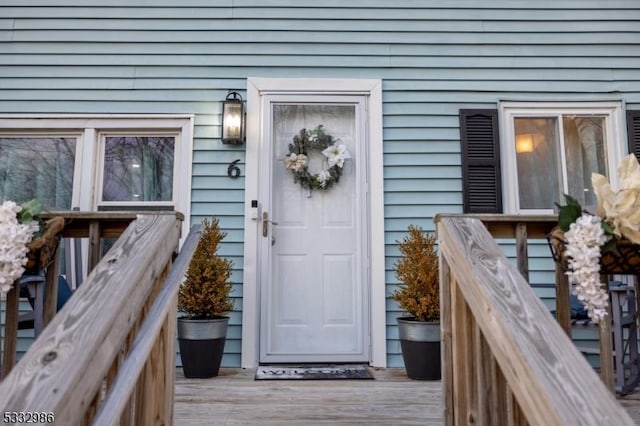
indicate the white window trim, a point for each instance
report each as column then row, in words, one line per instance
column 251, row 302
column 616, row 140
column 88, row 128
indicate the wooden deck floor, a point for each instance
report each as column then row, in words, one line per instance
column 235, row 398
column 632, row 404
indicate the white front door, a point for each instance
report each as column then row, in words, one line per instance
column 313, row 248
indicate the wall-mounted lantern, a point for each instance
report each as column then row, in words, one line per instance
column 233, row 119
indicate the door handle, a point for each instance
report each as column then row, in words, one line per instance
column 265, row 224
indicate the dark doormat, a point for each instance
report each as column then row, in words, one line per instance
column 313, row 372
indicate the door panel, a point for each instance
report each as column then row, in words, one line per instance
column 312, row 287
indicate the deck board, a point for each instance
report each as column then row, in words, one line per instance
column 234, row 397
column 631, row 403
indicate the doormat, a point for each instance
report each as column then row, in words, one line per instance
column 313, row 372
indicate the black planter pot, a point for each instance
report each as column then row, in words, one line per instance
column 420, row 343
column 201, row 346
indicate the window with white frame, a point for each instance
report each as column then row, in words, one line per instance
column 551, row 149
column 137, row 169
column 95, row 163
column 38, row 165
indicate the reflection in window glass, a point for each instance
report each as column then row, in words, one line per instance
column 584, row 141
column 138, row 168
column 37, row 167
column 539, row 183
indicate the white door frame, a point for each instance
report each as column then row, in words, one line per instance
column 256, row 88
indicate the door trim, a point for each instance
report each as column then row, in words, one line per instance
column 372, row 89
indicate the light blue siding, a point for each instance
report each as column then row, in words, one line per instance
column 25, row 337
column 434, row 57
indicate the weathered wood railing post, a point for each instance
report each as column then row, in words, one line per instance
column 51, row 287
column 509, row 361
column 94, row 244
column 522, row 251
column 605, row 342
column 10, row 330
column 563, row 308
column 446, row 347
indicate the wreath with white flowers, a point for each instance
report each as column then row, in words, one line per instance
column 297, row 160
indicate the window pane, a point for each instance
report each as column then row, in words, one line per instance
column 584, row 139
column 537, row 161
column 138, row 168
column 37, row 167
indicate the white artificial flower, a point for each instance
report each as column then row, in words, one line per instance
column 621, row 208
column 336, row 154
column 324, row 177
column 583, row 241
column 14, row 237
column 295, row 162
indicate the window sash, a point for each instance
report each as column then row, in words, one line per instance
column 52, row 158
column 509, row 111
column 101, row 180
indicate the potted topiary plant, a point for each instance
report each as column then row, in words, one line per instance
column 419, row 296
column 204, row 299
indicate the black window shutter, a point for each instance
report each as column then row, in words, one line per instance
column 481, row 181
column 633, row 132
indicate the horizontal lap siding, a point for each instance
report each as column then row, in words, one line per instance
column 168, row 56
column 26, row 336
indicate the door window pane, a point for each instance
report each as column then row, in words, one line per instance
column 138, row 168
column 537, row 159
column 337, row 120
column 38, row 167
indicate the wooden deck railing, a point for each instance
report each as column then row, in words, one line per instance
column 525, row 228
column 506, row 360
column 90, row 226
column 108, row 356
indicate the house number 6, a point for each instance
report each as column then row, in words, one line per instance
column 233, row 171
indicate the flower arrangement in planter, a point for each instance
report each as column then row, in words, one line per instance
column 204, row 299
column 419, row 296
column 608, row 241
column 18, row 225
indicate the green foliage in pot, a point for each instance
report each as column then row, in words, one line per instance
column 205, row 291
column 417, row 270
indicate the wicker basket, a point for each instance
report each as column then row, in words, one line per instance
column 625, row 259
column 43, row 248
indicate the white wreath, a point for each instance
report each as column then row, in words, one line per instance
column 297, row 161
